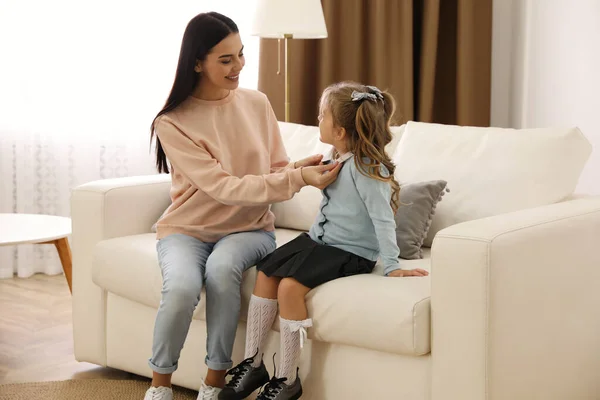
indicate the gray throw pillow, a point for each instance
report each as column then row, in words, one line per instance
column 413, row 219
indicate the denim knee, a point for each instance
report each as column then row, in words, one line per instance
column 182, row 295
column 223, row 275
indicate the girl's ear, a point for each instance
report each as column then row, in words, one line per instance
column 198, row 66
column 340, row 133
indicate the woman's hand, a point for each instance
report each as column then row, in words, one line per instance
column 321, row 176
column 309, row 161
column 408, row 272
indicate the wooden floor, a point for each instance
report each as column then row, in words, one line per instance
column 36, row 338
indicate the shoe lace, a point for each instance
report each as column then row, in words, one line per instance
column 273, row 387
column 158, row 393
column 238, row 372
column 207, row 392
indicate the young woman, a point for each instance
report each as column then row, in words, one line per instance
column 223, row 149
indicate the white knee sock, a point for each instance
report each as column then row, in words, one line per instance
column 293, row 335
column 261, row 315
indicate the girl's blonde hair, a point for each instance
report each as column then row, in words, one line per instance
column 365, row 113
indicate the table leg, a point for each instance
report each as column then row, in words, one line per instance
column 64, row 253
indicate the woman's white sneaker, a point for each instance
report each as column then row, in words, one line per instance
column 208, row 392
column 159, row 393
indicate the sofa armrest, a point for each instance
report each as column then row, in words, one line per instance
column 102, row 210
column 514, row 303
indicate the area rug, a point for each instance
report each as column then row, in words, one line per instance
column 84, row 389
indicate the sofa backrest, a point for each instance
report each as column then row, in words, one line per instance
column 490, row 171
column 302, row 141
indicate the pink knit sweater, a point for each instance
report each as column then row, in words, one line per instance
column 228, row 164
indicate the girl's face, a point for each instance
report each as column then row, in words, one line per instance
column 329, row 133
column 222, row 66
column 326, row 128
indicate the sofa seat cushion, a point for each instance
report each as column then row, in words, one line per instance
column 128, row 266
column 368, row 311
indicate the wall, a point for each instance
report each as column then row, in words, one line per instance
column 545, row 70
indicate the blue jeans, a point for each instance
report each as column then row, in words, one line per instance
column 188, row 264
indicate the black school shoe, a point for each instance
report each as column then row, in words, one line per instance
column 245, row 379
column 276, row 389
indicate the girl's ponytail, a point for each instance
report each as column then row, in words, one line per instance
column 365, row 113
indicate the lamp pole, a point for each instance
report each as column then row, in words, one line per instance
column 286, row 38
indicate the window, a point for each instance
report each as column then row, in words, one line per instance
column 81, row 69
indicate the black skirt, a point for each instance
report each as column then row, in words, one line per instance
column 312, row 264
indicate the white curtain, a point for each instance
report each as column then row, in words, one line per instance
column 79, row 85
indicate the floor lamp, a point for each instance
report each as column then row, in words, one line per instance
column 289, row 19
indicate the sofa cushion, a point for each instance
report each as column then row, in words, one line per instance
column 368, row 311
column 413, row 218
column 301, row 141
column 490, row 171
column 128, row 266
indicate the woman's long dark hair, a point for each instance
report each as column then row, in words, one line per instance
column 202, row 33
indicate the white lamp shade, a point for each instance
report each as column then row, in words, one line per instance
column 303, row 19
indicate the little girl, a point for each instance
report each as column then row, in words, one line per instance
column 355, row 226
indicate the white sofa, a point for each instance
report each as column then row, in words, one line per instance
column 510, row 310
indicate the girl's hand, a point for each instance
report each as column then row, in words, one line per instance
column 321, row 176
column 408, row 272
column 309, row 161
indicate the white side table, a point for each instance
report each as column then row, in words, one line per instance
column 42, row 229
